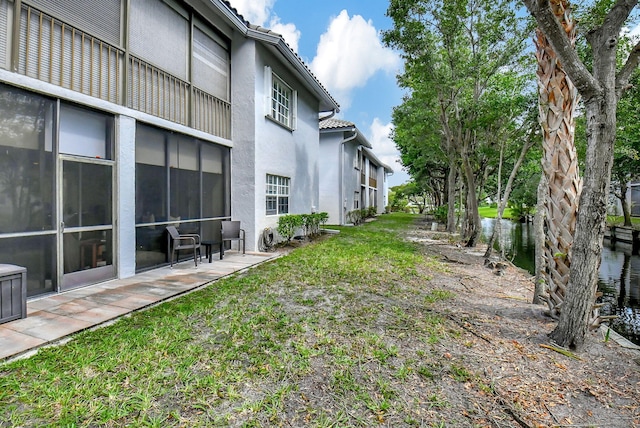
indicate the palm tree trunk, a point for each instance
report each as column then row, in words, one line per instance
column 558, row 98
column 539, row 293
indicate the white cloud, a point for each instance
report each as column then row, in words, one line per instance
column 260, row 12
column 288, row 31
column 383, row 146
column 349, row 53
column 255, row 11
column 386, row 150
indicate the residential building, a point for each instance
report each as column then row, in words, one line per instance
column 120, row 117
column 351, row 175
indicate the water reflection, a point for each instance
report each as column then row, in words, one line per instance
column 619, row 278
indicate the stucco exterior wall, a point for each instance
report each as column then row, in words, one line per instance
column 382, row 190
column 329, row 166
column 243, row 156
column 351, row 176
column 339, row 179
column 126, row 200
column 283, row 152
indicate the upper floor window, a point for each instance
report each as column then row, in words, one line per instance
column 358, row 161
column 281, row 100
column 277, row 195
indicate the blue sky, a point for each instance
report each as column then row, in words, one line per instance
column 340, row 41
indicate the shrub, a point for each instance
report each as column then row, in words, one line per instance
column 311, row 223
column 372, row 211
column 355, row 217
column 440, row 213
column 288, row 224
column 322, row 218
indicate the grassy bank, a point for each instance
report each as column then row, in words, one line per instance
column 492, row 212
column 337, row 333
column 613, row 220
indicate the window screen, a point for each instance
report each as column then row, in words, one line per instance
column 100, row 18
column 159, row 35
column 3, row 34
column 210, row 65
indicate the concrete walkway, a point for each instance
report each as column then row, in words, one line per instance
column 54, row 318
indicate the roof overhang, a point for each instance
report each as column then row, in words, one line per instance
column 277, row 45
column 377, row 161
column 274, row 41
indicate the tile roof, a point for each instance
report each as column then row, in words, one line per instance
column 334, row 123
column 291, row 51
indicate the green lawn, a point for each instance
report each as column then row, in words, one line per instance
column 613, row 220
column 492, row 212
column 337, row 333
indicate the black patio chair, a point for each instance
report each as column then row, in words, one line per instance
column 187, row 241
column 231, row 231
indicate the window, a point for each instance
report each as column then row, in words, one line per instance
column 210, row 63
column 356, row 200
column 358, row 160
column 85, row 133
column 277, row 195
column 281, row 100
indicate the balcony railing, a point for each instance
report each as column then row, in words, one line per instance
column 211, row 114
column 57, row 53
column 157, row 92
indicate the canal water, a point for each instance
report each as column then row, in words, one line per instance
column 619, row 278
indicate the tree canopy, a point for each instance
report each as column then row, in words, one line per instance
column 467, row 79
column 468, row 93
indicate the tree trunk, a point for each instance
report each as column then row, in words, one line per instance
column 578, row 314
column 497, row 226
column 626, row 212
column 538, row 227
column 601, row 89
column 451, row 195
column 558, row 100
column 472, row 217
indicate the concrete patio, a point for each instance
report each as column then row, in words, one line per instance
column 55, row 318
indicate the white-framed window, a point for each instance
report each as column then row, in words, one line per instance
column 281, row 100
column 277, row 198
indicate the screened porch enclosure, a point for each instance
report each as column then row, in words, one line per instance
column 180, row 181
column 56, row 197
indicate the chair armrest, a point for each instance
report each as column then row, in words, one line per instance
column 191, row 235
column 187, row 238
column 243, row 233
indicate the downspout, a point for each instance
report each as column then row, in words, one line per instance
column 329, row 116
column 341, row 176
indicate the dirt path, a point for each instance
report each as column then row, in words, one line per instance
column 504, row 344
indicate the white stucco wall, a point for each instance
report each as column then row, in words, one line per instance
column 338, row 193
column 282, row 152
column 243, row 156
column 126, row 200
column 329, row 167
column 351, row 175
